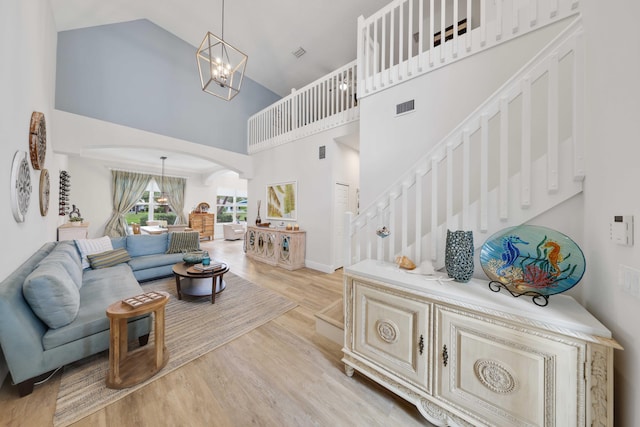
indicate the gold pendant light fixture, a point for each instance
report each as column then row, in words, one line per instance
column 221, row 66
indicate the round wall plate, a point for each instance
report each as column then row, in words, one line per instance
column 37, row 140
column 20, row 185
column 45, row 189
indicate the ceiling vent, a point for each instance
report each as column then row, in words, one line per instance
column 405, row 107
column 299, row 52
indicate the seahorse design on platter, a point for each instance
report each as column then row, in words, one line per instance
column 511, row 252
column 554, row 257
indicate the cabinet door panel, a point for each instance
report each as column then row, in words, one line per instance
column 508, row 376
column 393, row 331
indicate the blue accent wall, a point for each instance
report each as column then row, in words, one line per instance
column 137, row 74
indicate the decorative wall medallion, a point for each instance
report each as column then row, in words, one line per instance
column 494, row 376
column 20, row 185
column 387, row 330
column 37, row 140
column 45, row 188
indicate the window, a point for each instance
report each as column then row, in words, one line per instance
column 148, row 208
column 231, row 208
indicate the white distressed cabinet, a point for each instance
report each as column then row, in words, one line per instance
column 465, row 355
column 284, row 248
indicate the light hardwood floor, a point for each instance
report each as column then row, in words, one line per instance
column 280, row 374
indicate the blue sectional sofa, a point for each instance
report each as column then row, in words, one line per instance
column 52, row 312
column 149, row 259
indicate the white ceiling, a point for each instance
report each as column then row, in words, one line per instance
column 268, row 31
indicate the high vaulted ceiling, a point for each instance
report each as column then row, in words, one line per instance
column 268, row 31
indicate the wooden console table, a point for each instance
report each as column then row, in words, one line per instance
column 284, row 248
column 127, row 369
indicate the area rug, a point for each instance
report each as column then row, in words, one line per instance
column 193, row 327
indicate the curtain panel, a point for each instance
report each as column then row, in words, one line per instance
column 127, row 188
column 174, row 190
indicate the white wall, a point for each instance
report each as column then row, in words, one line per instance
column 78, row 134
column 316, row 178
column 91, row 191
column 27, row 75
column 611, row 187
column 612, row 102
column 443, row 98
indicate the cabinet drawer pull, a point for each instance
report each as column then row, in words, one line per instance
column 421, row 344
column 445, row 355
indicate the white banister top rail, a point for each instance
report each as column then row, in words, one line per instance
column 326, row 103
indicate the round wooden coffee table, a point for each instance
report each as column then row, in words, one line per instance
column 188, row 280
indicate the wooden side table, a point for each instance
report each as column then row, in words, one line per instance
column 127, row 369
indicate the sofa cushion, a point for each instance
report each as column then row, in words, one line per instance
column 119, row 242
column 151, row 261
column 101, row 288
column 109, row 258
column 66, row 254
column 92, row 246
column 52, row 295
column 183, row 241
column 146, row 244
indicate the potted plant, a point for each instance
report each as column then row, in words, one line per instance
column 76, row 221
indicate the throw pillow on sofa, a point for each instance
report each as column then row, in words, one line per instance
column 66, row 254
column 52, row 295
column 183, row 241
column 92, row 246
column 108, row 258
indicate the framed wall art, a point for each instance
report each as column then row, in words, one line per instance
column 282, row 201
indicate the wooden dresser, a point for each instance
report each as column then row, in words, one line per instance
column 467, row 356
column 72, row 232
column 203, row 223
column 284, row 248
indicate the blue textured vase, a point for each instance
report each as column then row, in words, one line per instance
column 459, row 255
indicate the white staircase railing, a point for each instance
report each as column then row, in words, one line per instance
column 403, row 40
column 328, row 102
column 517, row 155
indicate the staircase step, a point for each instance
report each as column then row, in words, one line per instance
column 330, row 322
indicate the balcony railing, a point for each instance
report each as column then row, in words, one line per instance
column 328, row 102
column 404, row 39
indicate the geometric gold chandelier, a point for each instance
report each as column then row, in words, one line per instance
column 221, row 66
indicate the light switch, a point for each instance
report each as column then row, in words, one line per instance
column 621, row 230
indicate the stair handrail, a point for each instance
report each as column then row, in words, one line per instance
column 437, row 153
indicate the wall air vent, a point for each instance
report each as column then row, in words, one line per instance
column 299, row 52
column 322, row 152
column 405, row 107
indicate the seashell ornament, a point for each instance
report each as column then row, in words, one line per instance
column 404, row 262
